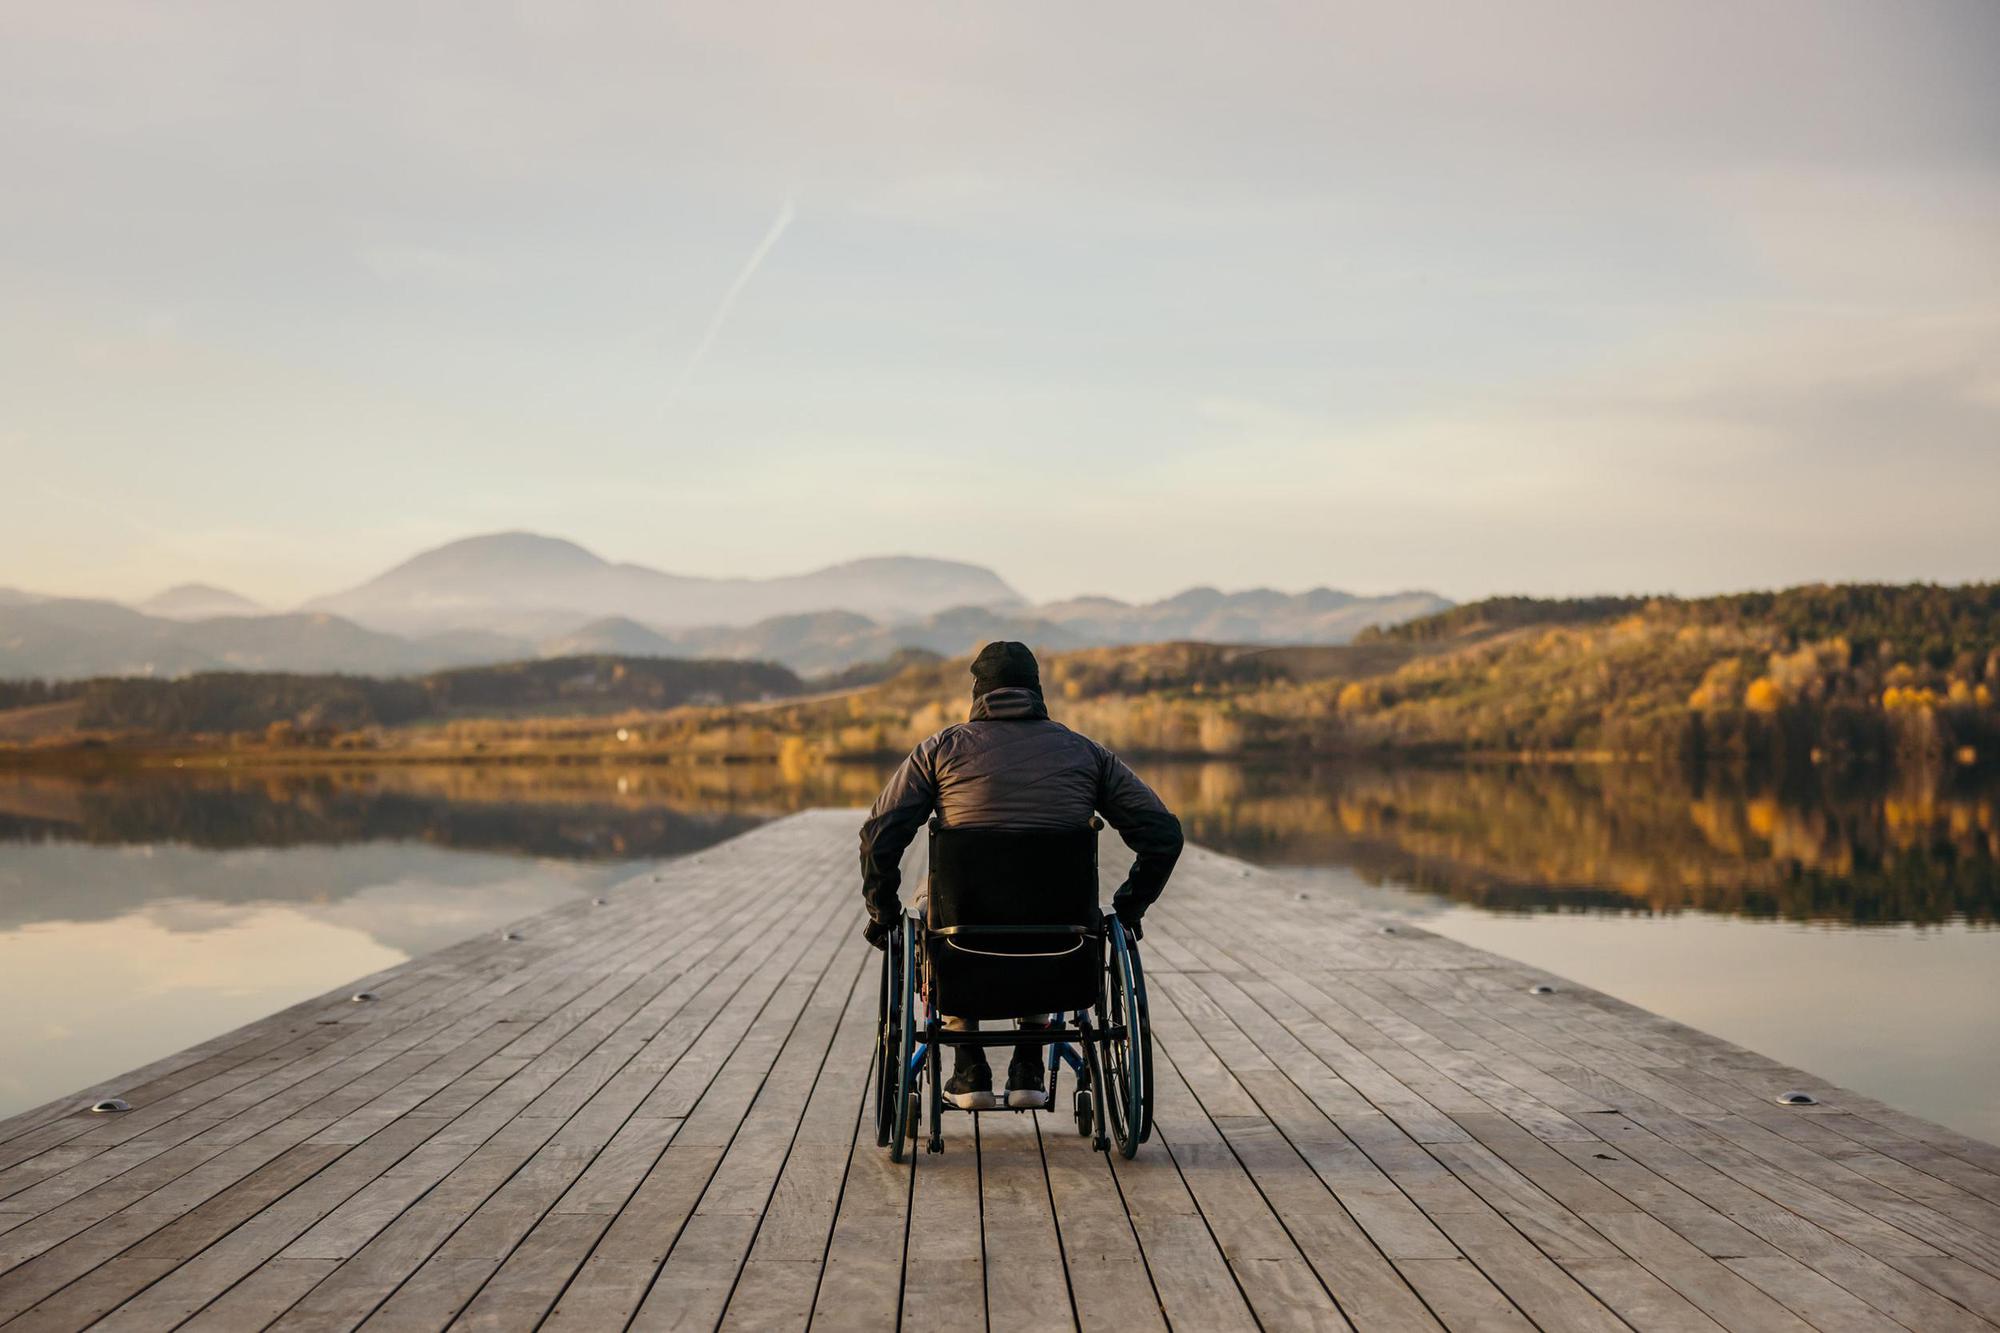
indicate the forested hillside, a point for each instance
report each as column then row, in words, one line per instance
column 1858, row 675
column 1869, row 677
column 307, row 707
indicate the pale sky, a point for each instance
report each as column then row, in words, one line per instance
column 1113, row 298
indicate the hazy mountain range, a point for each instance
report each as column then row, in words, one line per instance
column 523, row 584
column 516, row 595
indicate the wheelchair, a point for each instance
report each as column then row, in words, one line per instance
column 1011, row 927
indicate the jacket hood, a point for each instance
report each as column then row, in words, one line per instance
column 1009, row 704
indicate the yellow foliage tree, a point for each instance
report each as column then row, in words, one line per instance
column 1218, row 733
column 1764, row 695
column 1718, row 686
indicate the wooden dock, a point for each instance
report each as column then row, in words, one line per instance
column 650, row 1111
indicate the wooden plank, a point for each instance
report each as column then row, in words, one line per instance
column 1813, row 1298
column 1024, row 1256
column 944, row 1268
column 1535, row 1283
column 777, row 1285
column 1639, row 1298
column 1111, row 1285
column 1275, row 1276
column 861, row 1279
column 469, row 1238
column 1901, row 1297
column 712, row 1086
column 1705, row 1282
column 699, row 1276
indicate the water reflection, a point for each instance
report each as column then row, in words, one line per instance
column 1510, row 838
column 1614, row 838
column 144, row 913
column 112, row 956
column 589, row 812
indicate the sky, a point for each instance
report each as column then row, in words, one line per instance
column 1117, row 298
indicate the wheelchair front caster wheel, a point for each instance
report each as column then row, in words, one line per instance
column 937, row 1144
column 916, row 1119
column 1083, row 1113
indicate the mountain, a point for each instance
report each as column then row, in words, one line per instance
column 65, row 638
column 197, row 601
column 616, row 635
column 1260, row 615
column 514, row 596
column 832, row 641
column 525, row 584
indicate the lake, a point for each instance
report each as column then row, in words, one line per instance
column 1849, row 930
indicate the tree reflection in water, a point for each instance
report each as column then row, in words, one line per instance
column 1530, row 838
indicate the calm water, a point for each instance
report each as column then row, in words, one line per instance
column 1850, row 932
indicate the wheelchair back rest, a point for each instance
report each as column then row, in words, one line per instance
column 1016, row 891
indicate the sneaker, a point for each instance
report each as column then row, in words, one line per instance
column 970, row 1087
column 1025, row 1090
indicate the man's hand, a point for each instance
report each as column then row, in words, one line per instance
column 1129, row 918
column 877, row 933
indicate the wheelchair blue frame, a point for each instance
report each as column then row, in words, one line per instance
column 1108, row 1047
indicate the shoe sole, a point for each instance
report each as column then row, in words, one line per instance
column 1027, row 1099
column 972, row 1101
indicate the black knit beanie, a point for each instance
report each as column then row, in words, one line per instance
column 1004, row 664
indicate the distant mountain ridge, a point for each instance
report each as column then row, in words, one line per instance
column 524, row 583
column 1257, row 615
column 519, row 596
column 198, row 601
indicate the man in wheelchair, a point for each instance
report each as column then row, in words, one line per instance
column 1010, row 769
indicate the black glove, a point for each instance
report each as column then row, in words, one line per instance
column 1129, row 918
column 877, row 933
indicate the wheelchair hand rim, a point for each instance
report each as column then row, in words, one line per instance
column 1128, row 1061
column 905, row 945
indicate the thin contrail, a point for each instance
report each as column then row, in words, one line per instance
column 786, row 213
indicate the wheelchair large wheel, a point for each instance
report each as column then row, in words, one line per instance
column 888, row 1038
column 1127, row 1094
column 903, row 1079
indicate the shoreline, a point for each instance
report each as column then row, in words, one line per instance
column 113, row 757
